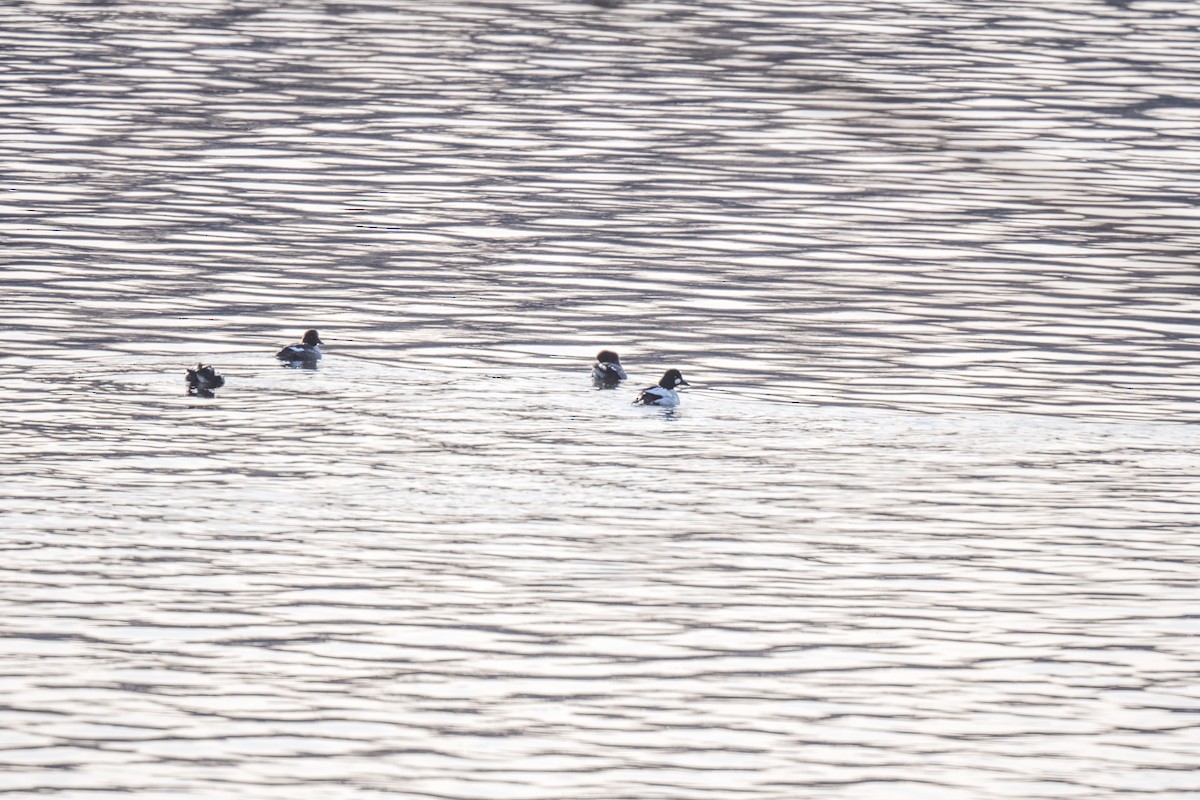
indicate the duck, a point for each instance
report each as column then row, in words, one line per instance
column 204, row 379
column 607, row 372
column 664, row 393
column 306, row 354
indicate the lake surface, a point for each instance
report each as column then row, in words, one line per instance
column 925, row 525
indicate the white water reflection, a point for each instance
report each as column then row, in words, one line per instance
column 924, row 525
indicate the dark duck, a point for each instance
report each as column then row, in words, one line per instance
column 607, row 372
column 305, row 354
column 204, row 380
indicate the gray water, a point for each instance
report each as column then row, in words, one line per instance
column 923, row 527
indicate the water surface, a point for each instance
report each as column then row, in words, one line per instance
column 923, row 527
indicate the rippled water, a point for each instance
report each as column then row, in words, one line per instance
column 925, row 525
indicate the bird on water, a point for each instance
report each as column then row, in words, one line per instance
column 204, row 379
column 305, row 354
column 607, row 372
column 662, row 394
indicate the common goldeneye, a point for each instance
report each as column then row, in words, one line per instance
column 664, row 393
column 203, row 380
column 305, row 354
column 607, row 372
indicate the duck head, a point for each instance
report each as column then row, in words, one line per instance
column 672, row 378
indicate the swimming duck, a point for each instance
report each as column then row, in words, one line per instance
column 306, row 354
column 607, row 372
column 203, row 380
column 664, row 393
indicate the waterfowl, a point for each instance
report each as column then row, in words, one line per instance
column 607, row 372
column 663, row 394
column 204, row 379
column 306, row 353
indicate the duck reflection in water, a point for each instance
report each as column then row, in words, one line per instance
column 204, row 380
